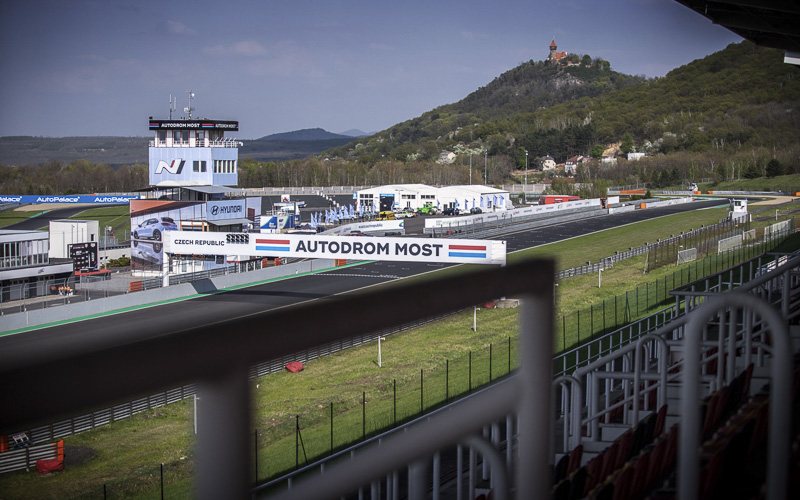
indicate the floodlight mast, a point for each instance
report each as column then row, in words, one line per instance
column 190, row 108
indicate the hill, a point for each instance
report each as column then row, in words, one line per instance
column 740, row 98
column 306, row 134
column 118, row 151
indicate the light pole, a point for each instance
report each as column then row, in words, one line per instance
column 485, row 163
column 470, row 168
column 525, row 187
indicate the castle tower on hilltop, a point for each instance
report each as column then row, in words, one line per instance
column 555, row 57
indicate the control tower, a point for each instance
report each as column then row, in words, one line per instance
column 193, row 152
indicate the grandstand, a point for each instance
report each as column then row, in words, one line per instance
column 624, row 424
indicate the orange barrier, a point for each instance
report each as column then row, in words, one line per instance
column 60, row 450
column 135, row 286
column 633, row 191
column 278, row 261
column 642, row 205
column 3, row 443
column 339, row 262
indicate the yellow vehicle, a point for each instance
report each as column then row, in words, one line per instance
column 386, row 216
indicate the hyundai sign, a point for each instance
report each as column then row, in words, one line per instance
column 448, row 251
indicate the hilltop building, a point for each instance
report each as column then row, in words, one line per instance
column 556, row 57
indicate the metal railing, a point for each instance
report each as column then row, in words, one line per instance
column 221, row 373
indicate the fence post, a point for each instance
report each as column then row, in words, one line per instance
column 331, row 427
column 447, row 380
column 421, row 400
column 296, row 442
column 394, row 383
column 162, row 480
column 255, row 454
column 509, row 354
column 470, row 371
column 490, row 362
column 364, row 415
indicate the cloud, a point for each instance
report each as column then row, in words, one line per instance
column 379, row 46
column 178, row 28
column 247, row 48
column 471, row 35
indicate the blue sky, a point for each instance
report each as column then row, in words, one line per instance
column 70, row 68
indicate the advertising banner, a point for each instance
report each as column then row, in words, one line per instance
column 4, row 198
column 230, row 209
column 445, row 222
column 336, row 247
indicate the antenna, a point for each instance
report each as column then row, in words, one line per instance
column 190, row 108
column 171, row 106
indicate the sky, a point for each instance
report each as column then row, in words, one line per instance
column 103, row 67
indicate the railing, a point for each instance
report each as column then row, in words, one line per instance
column 222, row 455
column 220, row 143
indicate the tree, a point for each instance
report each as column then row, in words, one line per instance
column 774, row 168
column 596, row 151
column 627, row 143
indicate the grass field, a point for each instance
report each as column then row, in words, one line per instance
column 129, row 453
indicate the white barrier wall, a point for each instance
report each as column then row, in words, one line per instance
column 375, row 226
column 508, row 214
column 191, row 243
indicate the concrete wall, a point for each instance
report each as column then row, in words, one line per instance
column 147, row 297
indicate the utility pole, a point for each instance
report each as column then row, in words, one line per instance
column 525, row 187
column 485, row 169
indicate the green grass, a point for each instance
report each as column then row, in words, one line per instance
column 786, row 183
column 8, row 217
column 118, row 217
column 131, row 451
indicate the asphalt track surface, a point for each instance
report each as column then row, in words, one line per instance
column 61, row 342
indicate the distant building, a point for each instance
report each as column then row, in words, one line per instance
column 635, row 156
column 571, row 165
column 609, row 160
column 556, row 57
column 446, row 157
column 547, row 163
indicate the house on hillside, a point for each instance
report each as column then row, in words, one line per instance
column 446, row 158
column 547, row 163
column 571, row 165
column 635, row 156
column 609, row 160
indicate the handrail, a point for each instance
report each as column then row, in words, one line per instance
column 779, row 410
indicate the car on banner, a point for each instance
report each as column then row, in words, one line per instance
column 386, row 216
column 152, row 228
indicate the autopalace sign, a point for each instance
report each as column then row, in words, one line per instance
column 336, row 247
column 66, row 199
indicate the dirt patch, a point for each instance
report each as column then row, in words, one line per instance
column 76, row 455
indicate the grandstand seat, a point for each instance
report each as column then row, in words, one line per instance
column 578, row 483
column 575, row 457
column 560, row 470
column 624, row 450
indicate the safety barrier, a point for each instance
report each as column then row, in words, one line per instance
column 26, row 457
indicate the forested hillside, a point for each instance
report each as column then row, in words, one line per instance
column 741, row 97
column 734, row 114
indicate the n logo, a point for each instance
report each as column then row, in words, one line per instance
column 174, row 168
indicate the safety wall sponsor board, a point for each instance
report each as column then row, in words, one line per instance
column 508, row 214
column 66, row 199
column 232, row 209
column 377, row 226
column 454, row 251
